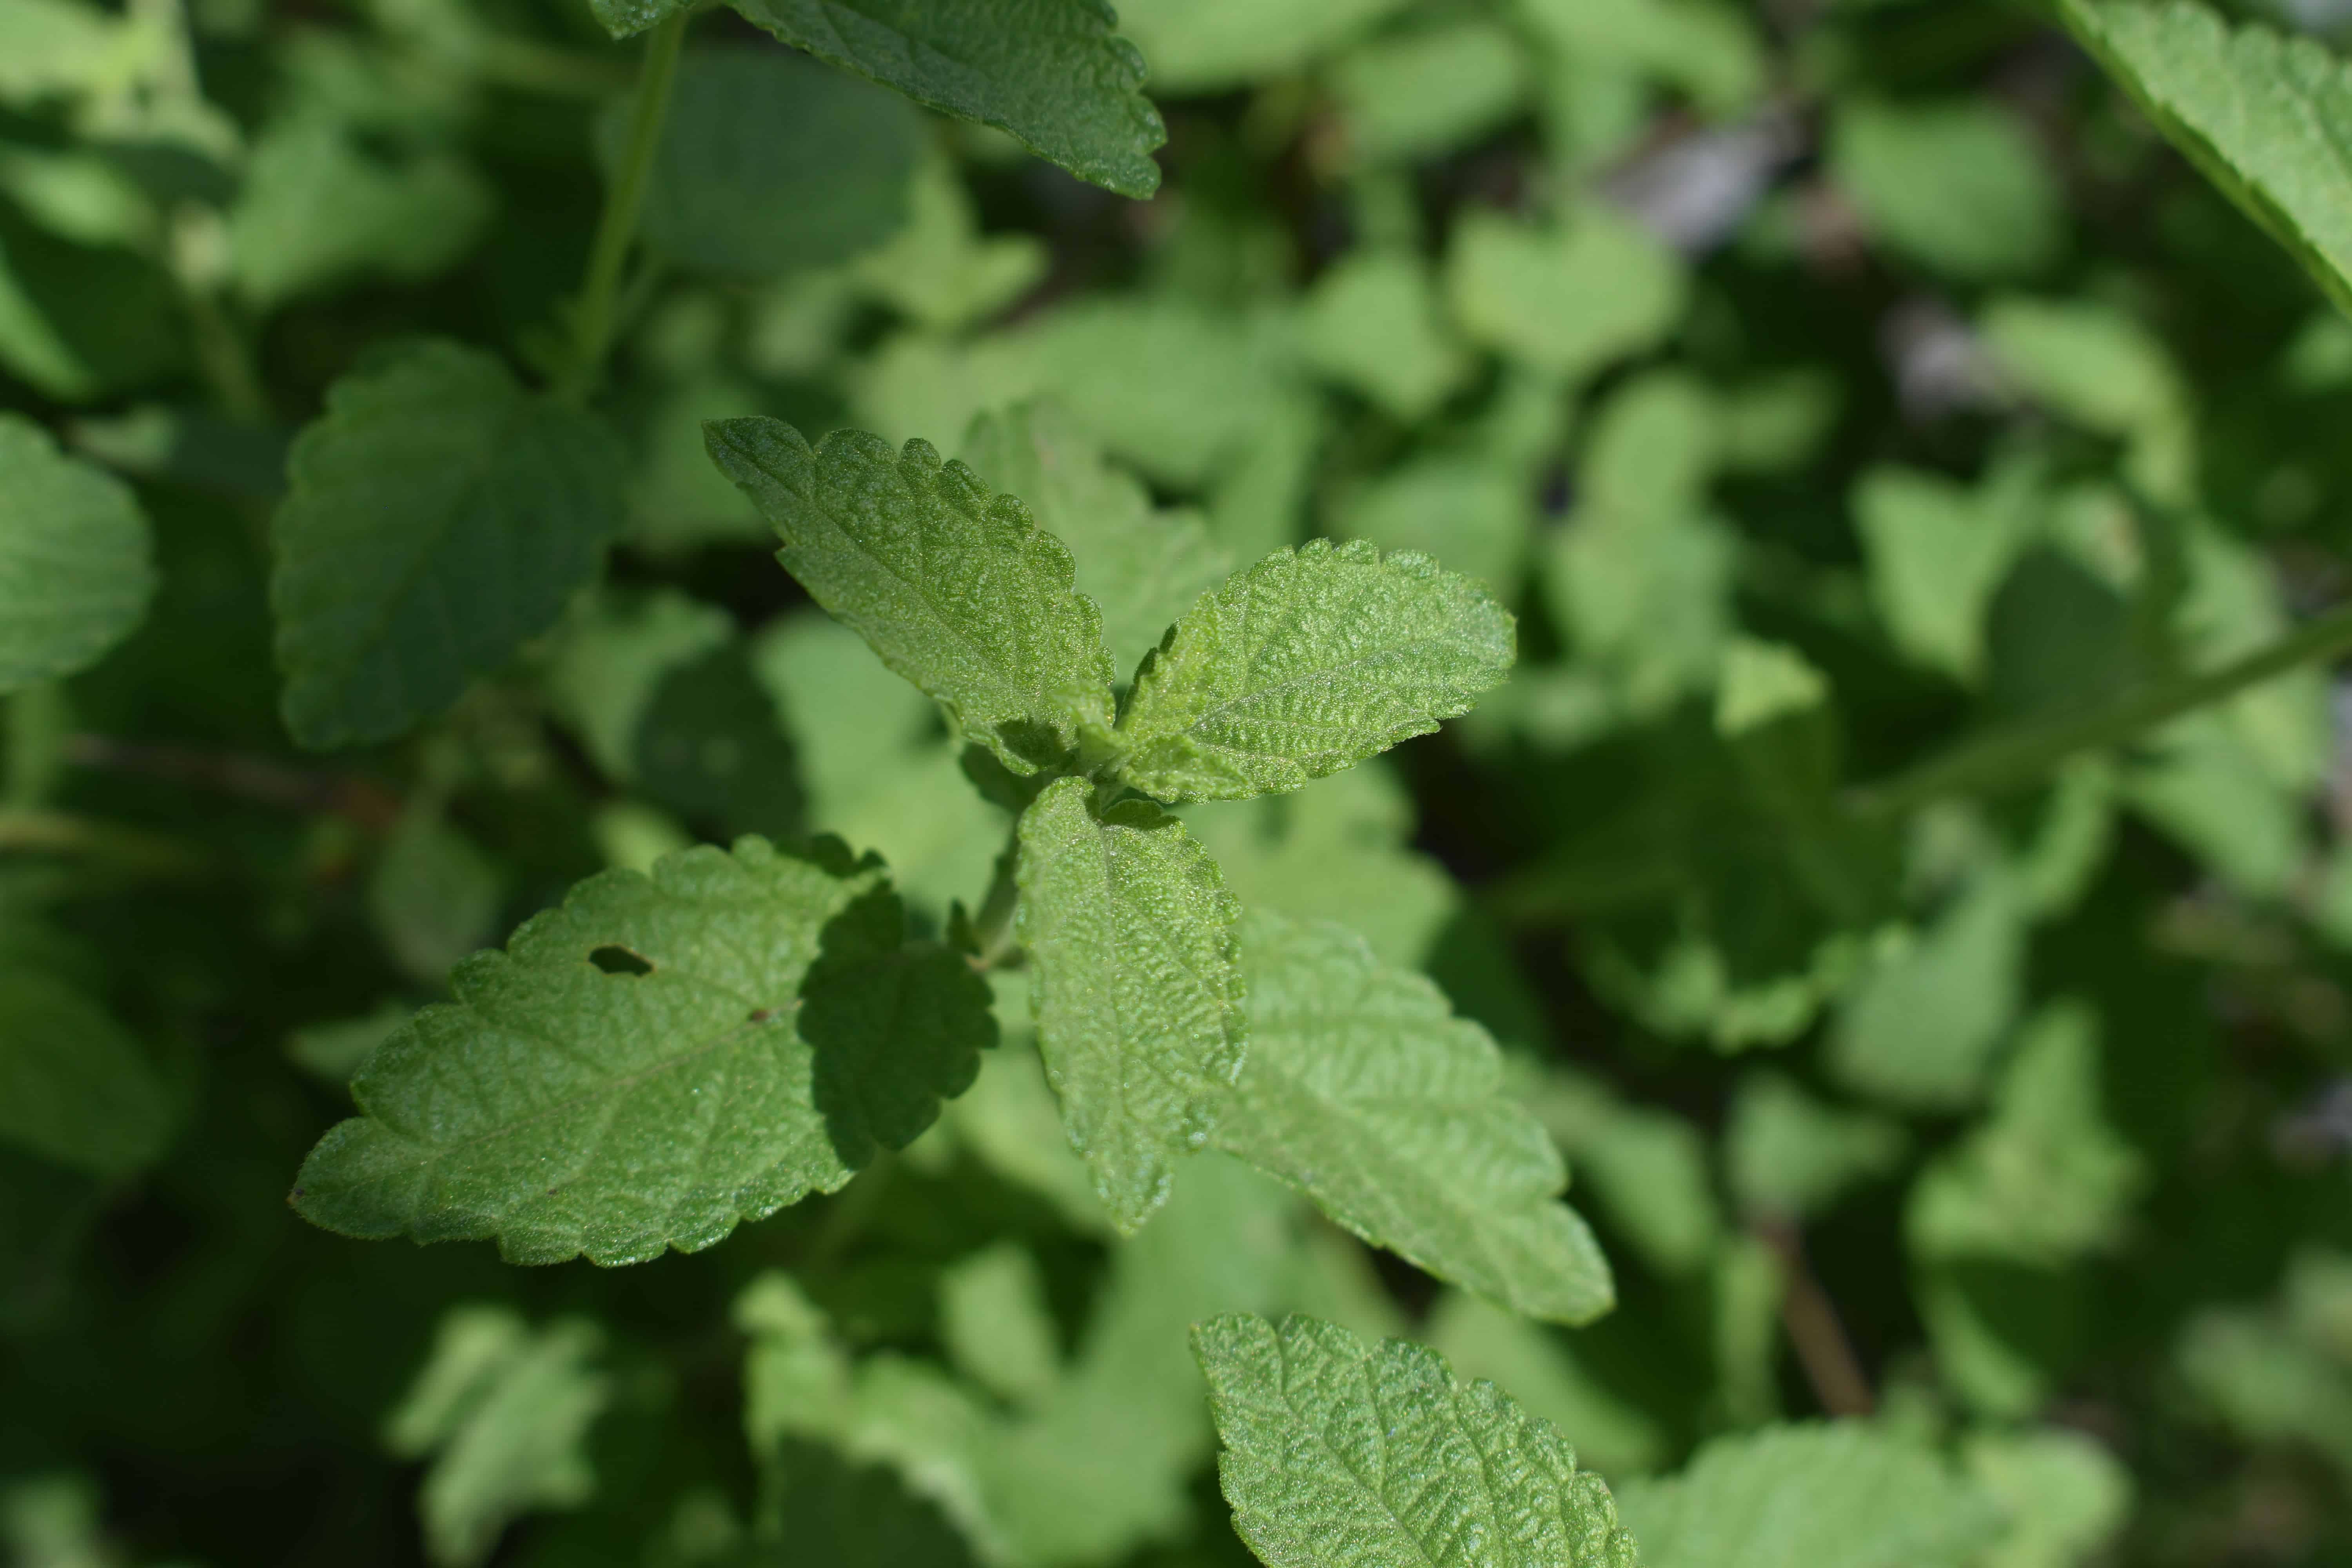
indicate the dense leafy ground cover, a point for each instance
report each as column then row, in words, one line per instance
column 1382, row 606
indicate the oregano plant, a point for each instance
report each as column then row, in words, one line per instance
column 973, row 740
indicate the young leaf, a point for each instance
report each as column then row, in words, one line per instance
column 75, row 567
column 769, row 163
column 1141, row 567
column 504, row 1413
column 1841, row 1495
column 1307, row 663
column 1365, row 1092
column 1338, row 1454
column 955, row 587
column 657, row 1061
column 1050, row 73
column 1138, row 993
column 435, row 517
column 2267, row 119
column 75, row 1086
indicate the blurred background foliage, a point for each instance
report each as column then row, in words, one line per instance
column 1824, row 381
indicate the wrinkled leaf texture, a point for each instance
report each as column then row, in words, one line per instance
column 955, row 587
column 1340, row 1455
column 657, row 1061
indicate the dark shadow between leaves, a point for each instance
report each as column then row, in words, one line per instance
column 712, row 747
column 896, row 1026
column 821, row 1507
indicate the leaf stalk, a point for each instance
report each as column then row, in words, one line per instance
column 2011, row 758
column 595, row 310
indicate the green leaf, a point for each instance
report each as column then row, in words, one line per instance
column 434, row 896
column 769, row 163
column 1372, row 324
column 1126, row 1429
column 2065, row 1495
column 1647, row 1167
column 1430, row 92
column 1050, row 73
column 1010, row 1122
column 997, row 1324
column 878, row 766
column 1834, row 1495
column 657, row 1061
column 1565, row 299
column 2046, row 1180
column 1552, row 1377
column 505, row 1413
column 941, row 272
column 1466, row 509
column 58, row 49
column 435, row 516
column 841, row 1514
column 1960, row 186
column 1642, row 579
column 2268, row 119
column 623, row 18
column 2085, row 360
column 1141, row 567
column 1789, row 1155
column 1920, row 1026
column 315, row 210
column 76, row 571
column 1137, row 991
column 1366, row 1094
column 332, row 1048
column 1339, row 849
column 1204, row 45
column 75, row 1088
column 1307, row 663
column 1937, row 552
column 2278, row 1371
column 1340, row 1455
column 612, row 656
column 1709, row 50
column 955, row 587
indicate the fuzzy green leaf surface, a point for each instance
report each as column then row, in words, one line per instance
column 2267, row 117
column 1307, row 663
column 1052, row 74
column 1366, row 1094
column 1341, row 1455
column 1138, row 990
column 657, row 1061
column 1832, row 1495
column 76, row 567
column 436, row 515
column 955, row 587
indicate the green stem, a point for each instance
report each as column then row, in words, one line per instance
column 224, row 357
column 126, row 849
column 616, row 227
column 2019, row 757
column 992, row 927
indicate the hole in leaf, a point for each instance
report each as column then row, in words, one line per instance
column 614, row 960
